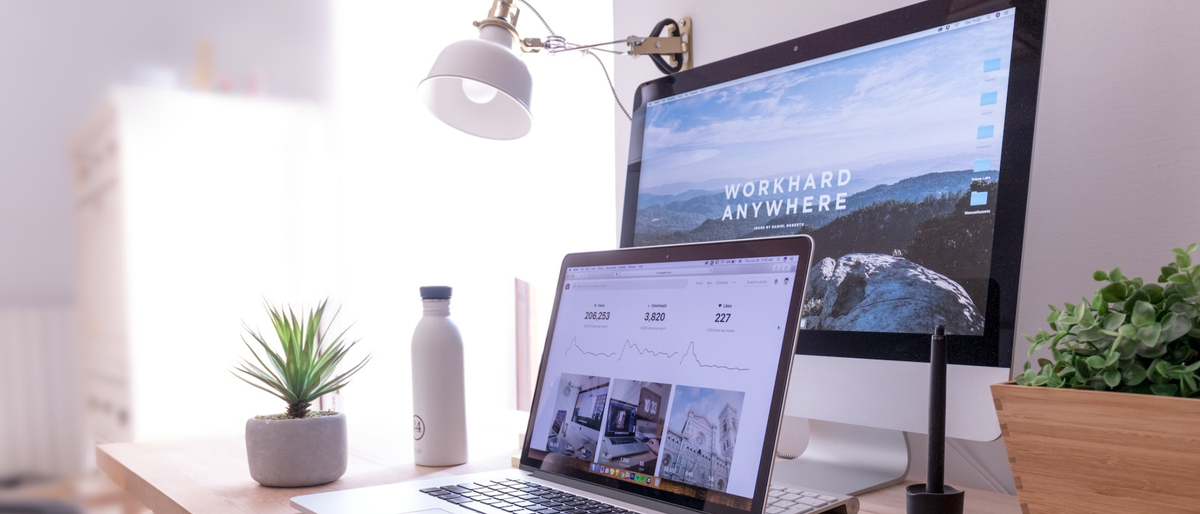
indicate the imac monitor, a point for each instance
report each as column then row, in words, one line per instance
column 589, row 406
column 901, row 144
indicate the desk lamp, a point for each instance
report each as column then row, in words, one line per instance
column 481, row 87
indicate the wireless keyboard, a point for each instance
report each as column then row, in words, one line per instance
column 791, row 499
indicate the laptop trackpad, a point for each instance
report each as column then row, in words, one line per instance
column 427, row 511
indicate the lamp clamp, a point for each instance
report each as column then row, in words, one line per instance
column 676, row 49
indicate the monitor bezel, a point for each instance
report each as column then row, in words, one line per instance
column 994, row 348
column 801, row 246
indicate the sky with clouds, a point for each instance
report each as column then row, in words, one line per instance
column 705, row 402
column 910, row 105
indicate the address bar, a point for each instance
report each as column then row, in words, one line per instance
column 662, row 273
column 642, row 283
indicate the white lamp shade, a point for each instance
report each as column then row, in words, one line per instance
column 458, row 88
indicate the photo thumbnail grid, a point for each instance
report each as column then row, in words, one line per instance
column 647, row 431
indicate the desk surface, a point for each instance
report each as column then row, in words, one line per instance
column 211, row 476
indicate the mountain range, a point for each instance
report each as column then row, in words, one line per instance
column 695, row 214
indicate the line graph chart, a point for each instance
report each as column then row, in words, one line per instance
column 637, row 351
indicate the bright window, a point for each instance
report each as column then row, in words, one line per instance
column 424, row 204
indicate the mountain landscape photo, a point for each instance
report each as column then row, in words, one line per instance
column 888, row 158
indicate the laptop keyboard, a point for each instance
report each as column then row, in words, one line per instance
column 518, row 497
column 623, row 440
column 788, row 499
column 523, row 497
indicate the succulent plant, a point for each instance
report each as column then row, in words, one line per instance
column 1131, row 336
column 304, row 370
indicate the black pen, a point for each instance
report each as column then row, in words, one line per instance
column 937, row 412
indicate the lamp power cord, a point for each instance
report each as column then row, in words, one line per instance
column 610, row 85
column 555, row 42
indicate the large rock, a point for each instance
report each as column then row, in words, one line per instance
column 881, row 293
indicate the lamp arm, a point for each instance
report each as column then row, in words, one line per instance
column 632, row 40
column 504, row 14
column 670, row 45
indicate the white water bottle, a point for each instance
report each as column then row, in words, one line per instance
column 439, row 398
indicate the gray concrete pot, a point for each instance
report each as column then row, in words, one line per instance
column 296, row 452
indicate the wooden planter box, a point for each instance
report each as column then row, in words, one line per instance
column 1097, row 451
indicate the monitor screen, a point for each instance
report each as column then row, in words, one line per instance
column 902, row 149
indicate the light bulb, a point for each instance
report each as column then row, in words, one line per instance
column 478, row 92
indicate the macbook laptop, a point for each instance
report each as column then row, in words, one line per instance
column 619, row 440
column 687, row 347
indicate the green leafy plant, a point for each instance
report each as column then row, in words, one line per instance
column 1131, row 337
column 304, row 370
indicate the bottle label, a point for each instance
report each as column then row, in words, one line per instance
column 418, row 427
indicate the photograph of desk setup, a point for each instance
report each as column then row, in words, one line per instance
column 814, row 282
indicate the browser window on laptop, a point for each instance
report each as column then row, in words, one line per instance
column 659, row 377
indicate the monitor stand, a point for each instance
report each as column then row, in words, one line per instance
column 846, row 459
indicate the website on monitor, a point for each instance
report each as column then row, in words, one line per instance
column 887, row 155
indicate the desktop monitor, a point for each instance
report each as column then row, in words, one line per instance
column 901, row 144
column 589, row 406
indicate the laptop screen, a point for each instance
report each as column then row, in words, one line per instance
column 671, row 370
column 620, row 418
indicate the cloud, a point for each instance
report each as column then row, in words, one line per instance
column 702, row 401
column 694, row 156
column 891, row 72
column 909, row 101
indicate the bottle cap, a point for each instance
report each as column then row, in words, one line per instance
column 435, row 292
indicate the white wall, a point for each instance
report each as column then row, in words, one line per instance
column 56, row 59
column 1115, row 159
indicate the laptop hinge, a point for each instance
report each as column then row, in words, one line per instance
column 601, row 492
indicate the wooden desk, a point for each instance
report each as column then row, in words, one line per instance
column 211, row 476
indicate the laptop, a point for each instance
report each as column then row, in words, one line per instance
column 619, row 440
column 686, row 349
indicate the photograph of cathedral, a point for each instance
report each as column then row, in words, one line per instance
column 701, row 437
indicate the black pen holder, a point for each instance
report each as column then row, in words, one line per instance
column 922, row 502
